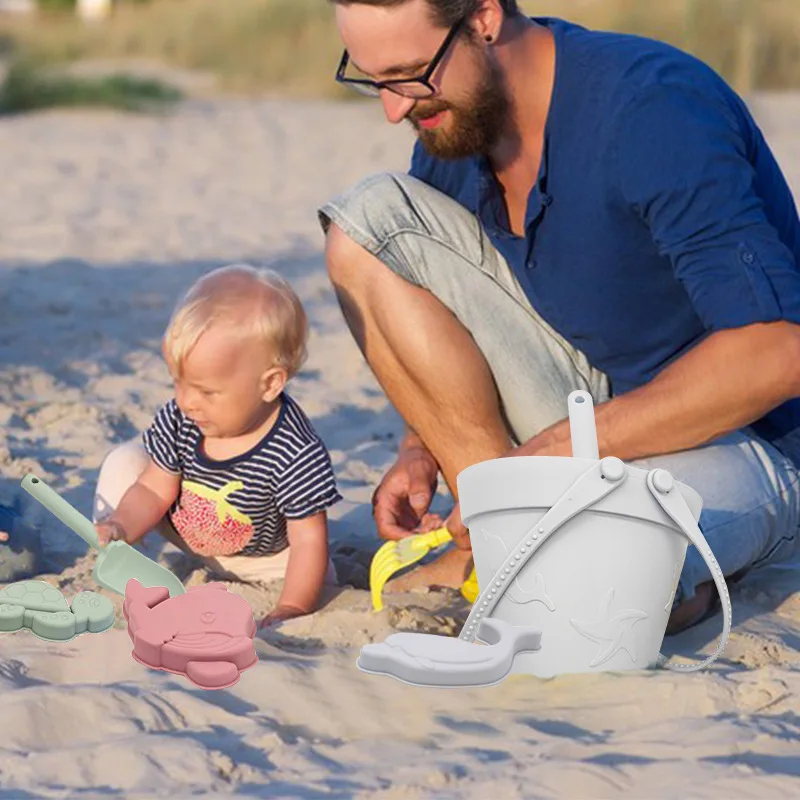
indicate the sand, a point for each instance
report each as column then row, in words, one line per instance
column 106, row 218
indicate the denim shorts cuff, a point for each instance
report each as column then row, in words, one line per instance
column 382, row 250
column 332, row 212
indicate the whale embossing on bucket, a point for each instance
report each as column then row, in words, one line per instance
column 601, row 584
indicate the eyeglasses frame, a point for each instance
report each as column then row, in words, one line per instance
column 423, row 79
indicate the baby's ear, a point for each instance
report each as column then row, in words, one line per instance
column 273, row 382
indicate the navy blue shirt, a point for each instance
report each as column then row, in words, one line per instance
column 659, row 216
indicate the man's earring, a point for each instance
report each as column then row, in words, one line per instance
column 488, row 38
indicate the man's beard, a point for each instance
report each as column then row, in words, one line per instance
column 476, row 123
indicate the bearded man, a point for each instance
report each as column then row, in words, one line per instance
column 583, row 210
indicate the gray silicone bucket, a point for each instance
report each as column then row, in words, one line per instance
column 601, row 588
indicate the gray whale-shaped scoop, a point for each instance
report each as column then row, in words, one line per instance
column 424, row 659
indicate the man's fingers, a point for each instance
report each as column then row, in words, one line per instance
column 386, row 515
column 419, row 489
column 430, row 522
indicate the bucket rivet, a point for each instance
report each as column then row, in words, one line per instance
column 522, row 549
column 663, row 481
column 612, row 469
column 541, row 530
column 529, row 543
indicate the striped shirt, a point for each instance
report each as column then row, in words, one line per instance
column 239, row 506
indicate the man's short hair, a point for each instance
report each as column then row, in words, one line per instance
column 445, row 12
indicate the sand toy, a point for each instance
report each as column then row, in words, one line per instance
column 117, row 562
column 205, row 635
column 586, row 551
column 393, row 556
column 43, row 610
column 421, row 658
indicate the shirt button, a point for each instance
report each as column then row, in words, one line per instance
column 748, row 258
column 547, row 199
column 532, row 264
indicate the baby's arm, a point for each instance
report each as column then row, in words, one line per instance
column 142, row 507
column 306, row 570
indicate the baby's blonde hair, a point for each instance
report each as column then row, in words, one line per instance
column 259, row 302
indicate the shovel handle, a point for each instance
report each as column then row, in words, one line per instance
column 59, row 507
column 582, row 428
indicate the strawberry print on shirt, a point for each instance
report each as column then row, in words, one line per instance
column 208, row 523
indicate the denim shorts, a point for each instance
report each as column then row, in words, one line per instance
column 750, row 489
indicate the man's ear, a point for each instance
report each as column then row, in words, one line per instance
column 488, row 20
column 273, row 382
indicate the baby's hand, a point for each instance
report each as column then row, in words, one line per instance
column 109, row 531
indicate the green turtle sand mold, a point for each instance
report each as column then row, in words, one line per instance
column 41, row 608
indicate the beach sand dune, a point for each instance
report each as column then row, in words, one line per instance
column 106, row 219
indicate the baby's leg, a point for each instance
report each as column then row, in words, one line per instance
column 120, row 470
column 259, row 569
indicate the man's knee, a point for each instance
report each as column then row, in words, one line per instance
column 372, row 211
column 398, row 222
column 342, row 254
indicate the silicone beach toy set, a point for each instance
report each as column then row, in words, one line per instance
column 204, row 633
column 577, row 560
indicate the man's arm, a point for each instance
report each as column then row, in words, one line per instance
column 412, row 443
column 680, row 164
column 729, row 380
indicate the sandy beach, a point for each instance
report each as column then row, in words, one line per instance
column 106, row 219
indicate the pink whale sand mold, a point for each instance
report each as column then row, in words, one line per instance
column 206, row 634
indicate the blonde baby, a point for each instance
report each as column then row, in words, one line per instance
column 231, row 469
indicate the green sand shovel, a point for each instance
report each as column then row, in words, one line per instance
column 117, row 562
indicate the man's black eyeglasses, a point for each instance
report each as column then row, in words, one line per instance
column 405, row 87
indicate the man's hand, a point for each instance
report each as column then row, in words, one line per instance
column 3, row 536
column 280, row 614
column 109, row 530
column 401, row 501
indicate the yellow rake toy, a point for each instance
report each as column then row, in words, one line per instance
column 396, row 555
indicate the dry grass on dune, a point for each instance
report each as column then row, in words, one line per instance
column 291, row 46
column 282, row 46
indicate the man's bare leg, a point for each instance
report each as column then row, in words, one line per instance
column 431, row 370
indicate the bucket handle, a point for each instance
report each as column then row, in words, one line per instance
column 662, row 486
column 602, row 478
column 599, row 480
